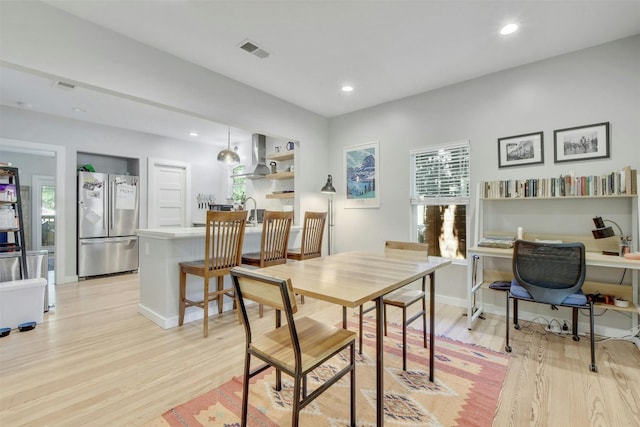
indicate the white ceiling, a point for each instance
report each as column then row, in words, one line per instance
column 385, row 49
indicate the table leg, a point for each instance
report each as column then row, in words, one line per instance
column 432, row 324
column 379, row 363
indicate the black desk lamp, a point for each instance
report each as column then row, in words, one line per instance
column 602, row 231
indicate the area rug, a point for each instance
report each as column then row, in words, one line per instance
column 468, row 380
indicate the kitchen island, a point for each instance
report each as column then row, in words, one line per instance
column 161, row 249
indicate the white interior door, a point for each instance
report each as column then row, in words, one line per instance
column 169, row 190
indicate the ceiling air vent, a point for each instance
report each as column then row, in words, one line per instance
column 254, row 49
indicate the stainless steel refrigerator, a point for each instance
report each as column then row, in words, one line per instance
column 108, row 212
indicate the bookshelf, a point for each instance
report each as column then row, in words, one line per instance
column 548, row 214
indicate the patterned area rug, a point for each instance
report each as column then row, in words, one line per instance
column 468, row 380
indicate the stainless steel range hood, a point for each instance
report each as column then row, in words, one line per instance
column 258, row 158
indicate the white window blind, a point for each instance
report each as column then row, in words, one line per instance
column 441, row 174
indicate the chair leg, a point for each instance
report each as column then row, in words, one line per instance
column 183, row 295
column 352, row 352
column 384, row 313
column 593, row 367
column 301, row 299
column 507, row 347
column 220, row 295
column 424, row 322
column 296, row 402
column 404, row 337
column 205, row 307
column 574, row 320
column 261, row 310
column 360, row 330
column 516, row 325
column 245, row 389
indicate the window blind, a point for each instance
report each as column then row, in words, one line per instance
column 441, row 174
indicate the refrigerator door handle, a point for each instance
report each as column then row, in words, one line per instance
column 100, row 241
column 112, row 204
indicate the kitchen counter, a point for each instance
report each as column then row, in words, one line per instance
column 161, row 249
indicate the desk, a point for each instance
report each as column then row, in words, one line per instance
column 592, row 259
column 351, row 279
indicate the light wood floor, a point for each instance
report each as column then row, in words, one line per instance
column 96, row 362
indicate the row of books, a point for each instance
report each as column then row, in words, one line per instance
column 501, row 242
column 623, row 182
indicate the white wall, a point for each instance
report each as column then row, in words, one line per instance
column 595, row 85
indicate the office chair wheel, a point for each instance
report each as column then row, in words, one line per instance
column 516, row 326
column 576, row 338
column 593, row 368
column 507, row 348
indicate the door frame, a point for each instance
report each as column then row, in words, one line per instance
column 59, row 152
column 37, row 182
column 152, row 167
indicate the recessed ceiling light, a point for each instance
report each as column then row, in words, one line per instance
column 193, row 133
column 347, row 88
column 79, row 110
column 509, row 29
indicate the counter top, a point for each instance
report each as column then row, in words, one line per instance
column 192, row 232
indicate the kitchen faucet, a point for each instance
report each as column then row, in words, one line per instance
column 254, row 221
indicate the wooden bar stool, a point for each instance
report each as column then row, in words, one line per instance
column 222, row 251
column 312, row 234
column 276, row 227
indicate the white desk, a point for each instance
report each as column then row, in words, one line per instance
column 475, row 285
column 161, row 249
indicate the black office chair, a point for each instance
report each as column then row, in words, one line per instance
column 550, row 273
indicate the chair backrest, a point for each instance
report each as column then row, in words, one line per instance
column 271, row 291
column 312, row 233
column 223, row 239
column 549, row 271
column 276, row 227
column 421, row 249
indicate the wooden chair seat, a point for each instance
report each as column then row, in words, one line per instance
column 311, row 244
column 276, row 227
column 296, row 347
column 318, row 342
column 402, row 298
column 223, row 248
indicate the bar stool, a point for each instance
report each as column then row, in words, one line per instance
column 312, row 234
column 222, row 251
column 276, row 227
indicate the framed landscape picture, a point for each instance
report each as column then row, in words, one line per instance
column 361, row 171
column 581, row 143
column 519, row 150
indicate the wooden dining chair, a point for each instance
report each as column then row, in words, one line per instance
column 222, row 251
column 276, row 227
column 404, row 297
column 311, row 244
column 295, row 348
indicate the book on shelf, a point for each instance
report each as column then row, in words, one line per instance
column 500, row 242
column 617, row 183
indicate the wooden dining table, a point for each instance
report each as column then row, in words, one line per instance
column 351, row 279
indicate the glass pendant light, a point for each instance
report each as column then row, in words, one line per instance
column 228, row 157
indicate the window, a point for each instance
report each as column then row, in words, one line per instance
column 440, row 196
column 237, row 184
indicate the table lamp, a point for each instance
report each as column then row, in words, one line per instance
column 602, row 231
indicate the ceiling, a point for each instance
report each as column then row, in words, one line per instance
column 386, row 50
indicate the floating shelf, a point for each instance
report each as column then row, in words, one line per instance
column 280, row 175
column 281, row 156
column 280, row 196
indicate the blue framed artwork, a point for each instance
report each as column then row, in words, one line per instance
column 361, row 171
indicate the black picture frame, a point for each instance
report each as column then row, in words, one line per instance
column 581, row 143
column 520, row 150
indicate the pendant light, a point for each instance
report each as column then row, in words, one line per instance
column 228, row 157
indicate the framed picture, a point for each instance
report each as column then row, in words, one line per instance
column 361, row 172
column 520, row 150
column 581, row 143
